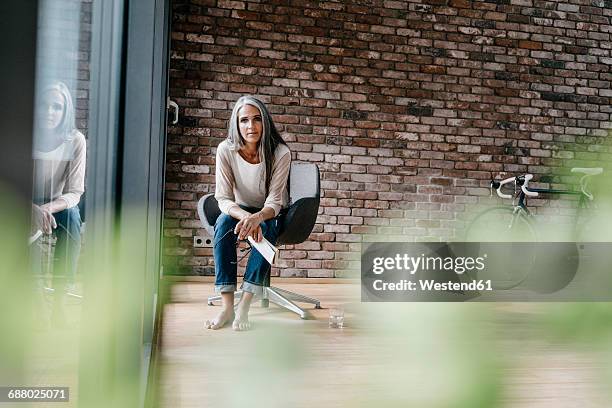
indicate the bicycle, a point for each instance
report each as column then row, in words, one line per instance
column 515, row 225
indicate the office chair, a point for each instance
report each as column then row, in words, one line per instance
column 296, row 224
column 43, row 249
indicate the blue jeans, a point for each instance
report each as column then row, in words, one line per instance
column 68, row 244
column 257, row 273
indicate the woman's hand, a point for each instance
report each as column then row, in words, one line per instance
column 43, row 218
column 249, row 226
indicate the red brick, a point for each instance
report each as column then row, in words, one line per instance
column 531, row 45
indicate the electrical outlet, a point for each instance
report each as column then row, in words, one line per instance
column 202, row 242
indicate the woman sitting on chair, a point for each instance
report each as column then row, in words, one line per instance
column 252, row 167
column 59, row 177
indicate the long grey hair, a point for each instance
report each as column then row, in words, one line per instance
column 270, row 138
column 67, row 126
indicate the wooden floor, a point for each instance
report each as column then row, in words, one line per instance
column 388, row 355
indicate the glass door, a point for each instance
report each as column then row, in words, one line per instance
column 82, row 196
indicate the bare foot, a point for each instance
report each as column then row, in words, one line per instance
column 224, row 317
column 241, row 322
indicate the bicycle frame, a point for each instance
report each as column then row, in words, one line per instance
column 520, row 208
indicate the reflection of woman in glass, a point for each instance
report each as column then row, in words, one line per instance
column 59, row 171
column 251, row 188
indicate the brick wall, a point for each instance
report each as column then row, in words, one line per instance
column 408, row 107
column 64, row 47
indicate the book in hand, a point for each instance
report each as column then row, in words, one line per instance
column 265, row 248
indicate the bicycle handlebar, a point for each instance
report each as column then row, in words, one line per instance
column 497, row 185
column 522, row 181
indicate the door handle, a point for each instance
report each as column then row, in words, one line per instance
column 174, row 105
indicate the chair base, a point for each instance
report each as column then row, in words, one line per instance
column 280, row 297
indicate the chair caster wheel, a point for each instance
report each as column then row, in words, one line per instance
column 211, row 304
column 318, row 306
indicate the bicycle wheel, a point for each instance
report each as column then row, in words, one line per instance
column 508, row 265
column 500, row 224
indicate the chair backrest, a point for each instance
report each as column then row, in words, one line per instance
column 82, row 207
column 208, row 212
column 304, row 197
column 297, row 221
column 303, row 181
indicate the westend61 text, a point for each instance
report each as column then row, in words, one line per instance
column 430, row 285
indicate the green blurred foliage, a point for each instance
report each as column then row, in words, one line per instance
column 15, row 293
column 429, row 355
column 589, row 323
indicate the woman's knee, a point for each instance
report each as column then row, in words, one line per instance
column 74, row 215
column 269, row 229
column 69, row 219
column 224, row 224
column 224, row 221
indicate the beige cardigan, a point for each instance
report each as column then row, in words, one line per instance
column 60, row 173
column 239, row 182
